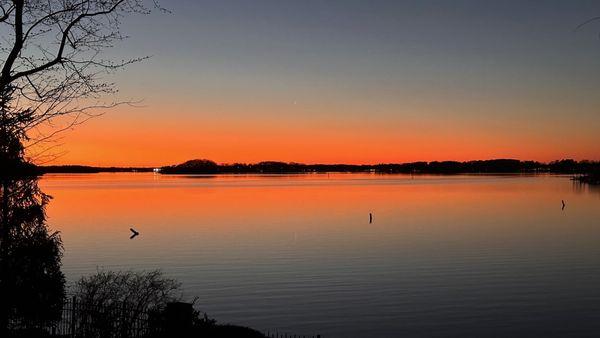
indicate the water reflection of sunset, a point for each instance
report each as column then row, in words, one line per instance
column 313, row 204
column 305, row 240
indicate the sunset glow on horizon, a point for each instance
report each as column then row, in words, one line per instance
column 100, row 143
column 305, row 168
column 351, row 82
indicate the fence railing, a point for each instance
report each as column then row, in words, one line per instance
column 289, row 335
column 113, row 321
column 79, row 319
column 84, row 320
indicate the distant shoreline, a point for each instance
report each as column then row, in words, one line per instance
column 83, row 169
column 494, row 166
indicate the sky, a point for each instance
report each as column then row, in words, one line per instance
column 352, row 82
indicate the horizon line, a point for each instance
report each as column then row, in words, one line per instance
column 316, row 163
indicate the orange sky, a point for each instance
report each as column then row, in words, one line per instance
column 390, row 81
column 123, row 137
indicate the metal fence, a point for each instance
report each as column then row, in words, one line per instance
column 288, row 335
column 83, row 320
column 114, row 321
column 79, row 319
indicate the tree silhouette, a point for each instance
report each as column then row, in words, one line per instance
column 51, row 74
column 32, row 286
column 52, row 66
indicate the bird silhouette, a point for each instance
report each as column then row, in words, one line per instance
column 563, row 204
column 134, row 233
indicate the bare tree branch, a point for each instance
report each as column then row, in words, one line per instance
column 53, row 76
column 16, row 49
column 49, row 16
column 59, row 56
column 6, row 12
column 587, row 22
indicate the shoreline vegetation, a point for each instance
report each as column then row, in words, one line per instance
column 592, row 178
column 584, row 171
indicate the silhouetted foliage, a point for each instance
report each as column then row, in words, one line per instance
column 194, row 166
column 32, row 286
column 182, row 320
column 141, row 291
column 108, row 298
column 11, row 157
column 445, row 167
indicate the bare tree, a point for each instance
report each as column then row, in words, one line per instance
column 52, row 73
column 588, row 22
column 106, row 295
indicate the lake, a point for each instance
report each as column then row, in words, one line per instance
column 445, row 256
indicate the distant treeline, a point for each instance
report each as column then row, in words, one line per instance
column 591, row 168
column 446, row 167
column 87, row 169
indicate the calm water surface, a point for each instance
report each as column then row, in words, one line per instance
column 445, row 256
